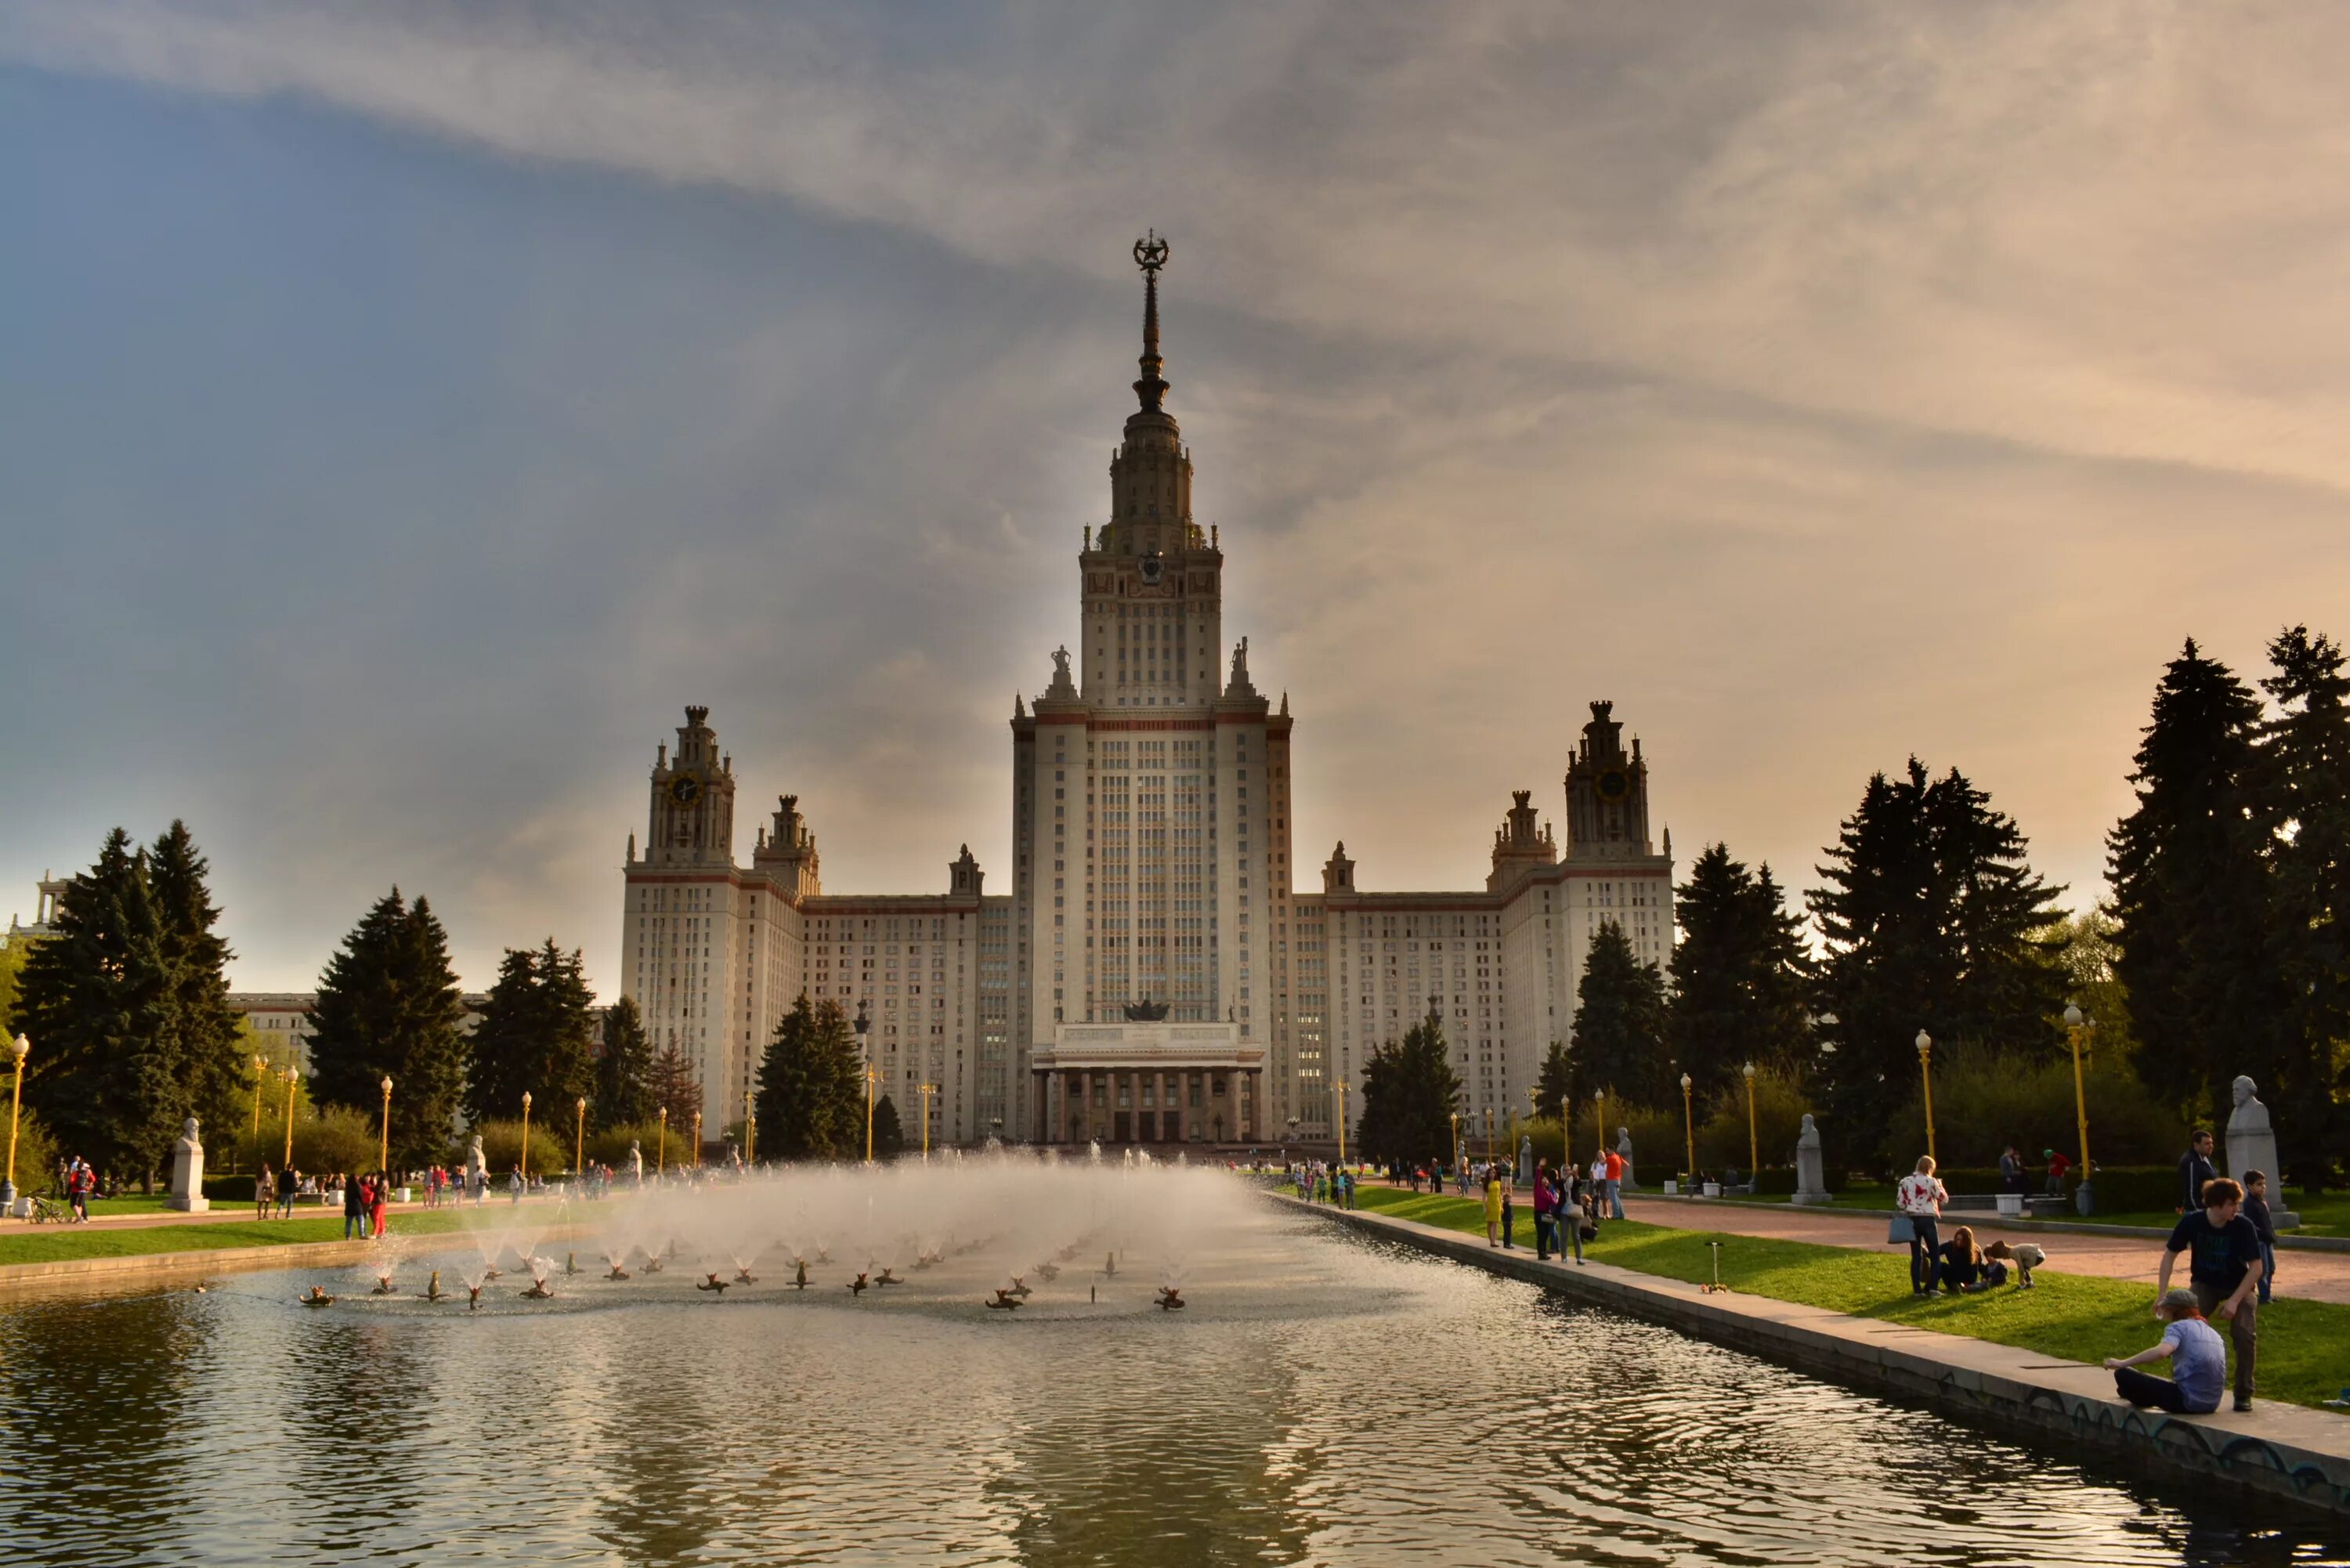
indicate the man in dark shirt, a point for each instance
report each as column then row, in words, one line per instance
column 2195, row 1169
column 2223, row 1269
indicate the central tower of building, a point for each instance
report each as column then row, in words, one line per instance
column 1150, row 787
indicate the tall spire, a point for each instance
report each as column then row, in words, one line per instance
column 1150, row 254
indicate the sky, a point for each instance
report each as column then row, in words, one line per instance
column 407, row 409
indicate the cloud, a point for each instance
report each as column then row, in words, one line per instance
column 1820, row 381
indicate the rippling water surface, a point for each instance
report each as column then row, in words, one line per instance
column 1321, row 1400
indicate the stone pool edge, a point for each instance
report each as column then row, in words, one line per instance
column 2278, row 1452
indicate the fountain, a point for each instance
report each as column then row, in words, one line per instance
column 712, row 1282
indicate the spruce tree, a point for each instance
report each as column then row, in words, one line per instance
column 1620, row 1022
column 1932, row 920
column 1554, row 1088
column 793, row 1124
column 889, row 1136
column 836, row 1080
column 1716, row 968
column 623, row 1094
column 1409, row 1093
column 506, row 1045
column 209, row 1034
column 674, row 1088
column 94, row 999
column 2304, row 807
column 2190, row 896
column 389, row 1006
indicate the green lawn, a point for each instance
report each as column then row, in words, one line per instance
column 2327, row 1215
column 57, row 1243
column 2304, row 1344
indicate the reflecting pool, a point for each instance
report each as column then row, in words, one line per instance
column 1317, row 1398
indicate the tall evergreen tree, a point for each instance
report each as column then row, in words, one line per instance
column 1620, row 1022
column 623, row 1094
column 674, row 1088
column 1739, row 973
column 389, row 1006
column 1555, row 1086
column 811, row 1093
column 95, row 998
column 1932, row 920
column 1409, row 1095
column 2190, row 895
column 2303, row 795
column 536, row 1035
column 888, row 1133
column 210, row 1037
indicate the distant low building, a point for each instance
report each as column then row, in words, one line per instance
column 50, row 897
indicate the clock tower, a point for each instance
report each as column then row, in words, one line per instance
column 1607, row 794
column 691, row 821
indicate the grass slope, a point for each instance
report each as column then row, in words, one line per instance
column 2304, row 1344
column 61, row 1244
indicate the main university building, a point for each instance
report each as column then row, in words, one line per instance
column 1154, row 976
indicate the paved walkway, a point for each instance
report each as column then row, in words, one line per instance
column 2312, row 1275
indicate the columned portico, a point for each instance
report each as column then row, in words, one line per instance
column 1150, row 1083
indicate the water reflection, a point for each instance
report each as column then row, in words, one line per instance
column 1323, row 1400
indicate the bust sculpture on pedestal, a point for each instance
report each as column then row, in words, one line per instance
column 477, row 1169
column 635, row 1163
column 187, row 1171
column 1624, row 1147
column 2251, row 1146
column 1811, row 1170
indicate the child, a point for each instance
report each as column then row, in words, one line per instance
column 2256, row 1209
column 2025, row 1255
column 2196, row 1354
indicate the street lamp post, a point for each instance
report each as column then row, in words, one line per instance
column 1456, row 1145
column 2077, row 1030
column 292, row 1076
column 697, row 1139
column 1926, row 1077
column 383, row 1143
column 926, row 1091
column 864, row 1027
column 871, row 1078
column 1489, row 1135
column 258, row 1064
column 660, row 1150
column 750, row 1132
column 20, row 1048
column 1599, row 1114
column 525, row 1138
column 1342, row 1123
column 579, row 1139
column 1753, row 1138
column 1689, row 1122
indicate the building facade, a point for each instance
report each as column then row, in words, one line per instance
column 1153, row 974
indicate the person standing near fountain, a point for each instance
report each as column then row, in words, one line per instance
column 1920, row 1197
column 1493, row 1208
column 353, row 1207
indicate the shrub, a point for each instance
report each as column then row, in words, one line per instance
column 1722, row 1134
column 36, row 1155
column 229, row 1188
column 610, row 1146
column 1983, row 1097
column 1779, row 1182
column 550, row 1147
column 337, row 1139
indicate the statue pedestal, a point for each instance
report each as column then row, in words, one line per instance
column 1811, row 1169
column 2251, row 1146
column 188, row 1173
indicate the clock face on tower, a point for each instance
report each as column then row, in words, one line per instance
column 1614, row 784
column 685, row 789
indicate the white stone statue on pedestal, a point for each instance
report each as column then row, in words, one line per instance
column 188, row 1172
column 2251, row 1146
column 1624, row 1147
column 1811, row 1171
column 477, row 1169
column 635, row 1163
